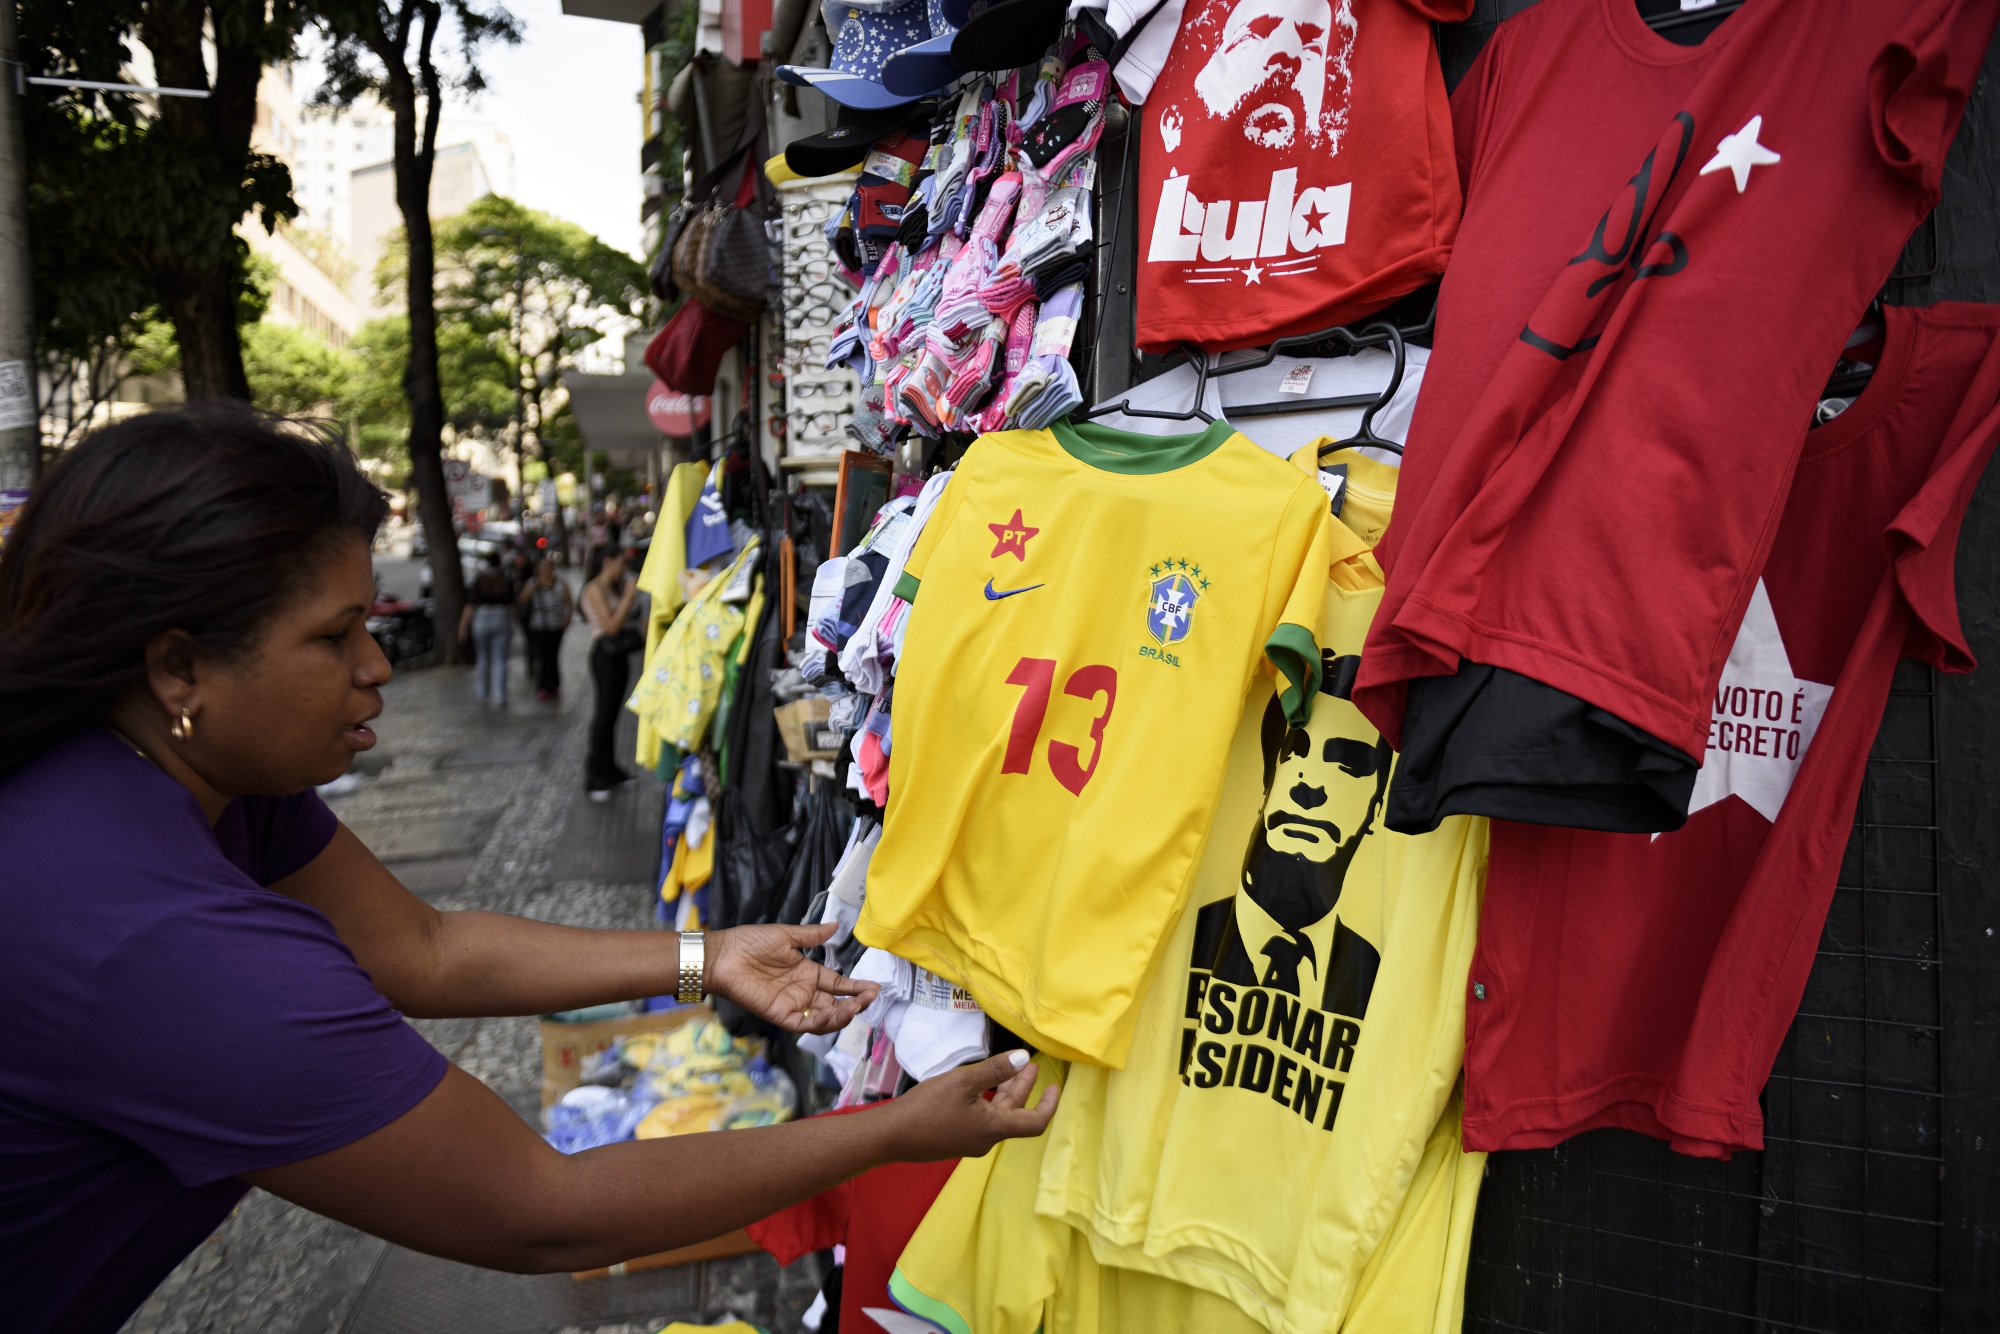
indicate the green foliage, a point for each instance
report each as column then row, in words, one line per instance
column 537, row 292
column 325, row 250
column 478, row 395
column 120, row 200
column 364, row 34
column 673, row 54
column 520, row 296
column 294, row 370
column 153, row 351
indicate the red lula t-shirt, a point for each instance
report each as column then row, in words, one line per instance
column 1663, row 249
column 1647, row 981
column 1295, row 168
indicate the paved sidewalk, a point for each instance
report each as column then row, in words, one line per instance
column 476, row 809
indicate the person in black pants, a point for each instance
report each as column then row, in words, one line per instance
column 547, row 610
column 607, row 601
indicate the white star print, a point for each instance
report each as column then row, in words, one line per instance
column 1764, row 718
column 1739, row 152
column 1252, row 273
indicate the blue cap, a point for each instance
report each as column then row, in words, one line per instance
column 708, row 534
column 927, row 66
column 868, row 36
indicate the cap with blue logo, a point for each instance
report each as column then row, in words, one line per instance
column 868, row 34
column 927, row 66
column 708, row 534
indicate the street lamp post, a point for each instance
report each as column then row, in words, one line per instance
column 20, row 417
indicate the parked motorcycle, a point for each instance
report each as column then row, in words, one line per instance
column 404, row 630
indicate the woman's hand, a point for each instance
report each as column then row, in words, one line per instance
column 761, row 969
column 951, row 1116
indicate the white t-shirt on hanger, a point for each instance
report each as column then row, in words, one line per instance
column 1365, row 372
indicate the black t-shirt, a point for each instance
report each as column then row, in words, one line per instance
column 491, row 589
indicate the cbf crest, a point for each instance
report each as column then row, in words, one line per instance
column 1177, row 588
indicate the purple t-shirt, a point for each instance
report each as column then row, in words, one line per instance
column 171, row 1023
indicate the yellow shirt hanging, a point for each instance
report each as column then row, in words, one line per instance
column 1089, row 608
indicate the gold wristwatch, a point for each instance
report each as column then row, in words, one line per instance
column 694, row 953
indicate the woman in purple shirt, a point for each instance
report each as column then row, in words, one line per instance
column 202, row 970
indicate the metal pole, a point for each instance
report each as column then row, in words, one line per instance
column 20, row 416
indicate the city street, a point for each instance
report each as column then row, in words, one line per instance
column 472, row 809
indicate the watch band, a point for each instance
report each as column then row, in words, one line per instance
column 694, row 954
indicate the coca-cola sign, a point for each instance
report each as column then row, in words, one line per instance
column 675, row 413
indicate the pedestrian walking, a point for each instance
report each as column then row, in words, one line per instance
column 489, row 620
column 607, row 603
column 206, row 974
column 549, row 610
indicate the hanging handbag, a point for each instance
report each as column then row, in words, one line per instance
column 722, row 258
column 688, row 263
column 686, row 354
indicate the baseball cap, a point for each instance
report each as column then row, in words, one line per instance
column 855, row 131
column 1003, row 34
column 869, row 33
column 927, row 66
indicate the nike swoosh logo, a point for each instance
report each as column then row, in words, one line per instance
column 994, row 595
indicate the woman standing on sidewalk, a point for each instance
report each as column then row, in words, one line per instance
column 549, row 611
column 202, row 969
column 607, row 603
column 488, row 618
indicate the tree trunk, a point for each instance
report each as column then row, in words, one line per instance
column 200, row 299
column 415, row 153
column 197, row 287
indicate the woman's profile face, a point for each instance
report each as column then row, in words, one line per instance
column 614, row 568
column 294, row 711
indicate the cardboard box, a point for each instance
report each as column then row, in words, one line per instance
column 802, row 724
column 564, row 1046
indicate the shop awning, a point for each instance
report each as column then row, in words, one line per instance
column 611, row 413
column 617, row 11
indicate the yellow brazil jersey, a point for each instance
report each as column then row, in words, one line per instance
column 1294, row 1060
column 1088, row 609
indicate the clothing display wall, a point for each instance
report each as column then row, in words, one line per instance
column 1389, row 762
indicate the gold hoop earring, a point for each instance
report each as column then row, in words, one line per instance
column 182, row 727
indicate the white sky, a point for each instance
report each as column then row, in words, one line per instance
column 567, row 97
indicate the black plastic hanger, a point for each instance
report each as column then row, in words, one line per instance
column 1390, row 335
column 1379, row 334
column 1689, row 17
column 1196, row 413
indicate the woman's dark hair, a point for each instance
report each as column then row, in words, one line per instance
column 202, row 519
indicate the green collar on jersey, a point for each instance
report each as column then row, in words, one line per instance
column 1122, row 451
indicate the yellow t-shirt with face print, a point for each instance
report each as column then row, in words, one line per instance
column 1299, row 1048
column 1282, row 1152
column 1088, row 610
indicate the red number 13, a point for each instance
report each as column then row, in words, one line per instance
column 1037, row 677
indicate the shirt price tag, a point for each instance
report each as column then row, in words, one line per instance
column 1296, row 380
column 934, row 993
column 1334, row 481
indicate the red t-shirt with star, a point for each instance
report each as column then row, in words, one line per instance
column 1662, row 251
column 1295, row 168
column 1647, row 982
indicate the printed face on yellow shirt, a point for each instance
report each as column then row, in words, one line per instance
column 1322, row 797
